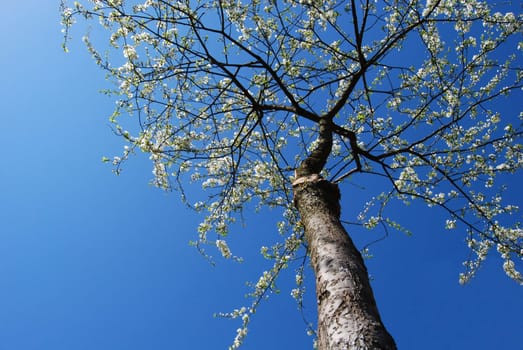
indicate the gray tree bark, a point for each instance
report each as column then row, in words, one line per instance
column 348, row 317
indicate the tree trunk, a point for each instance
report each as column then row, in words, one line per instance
column 347, row 314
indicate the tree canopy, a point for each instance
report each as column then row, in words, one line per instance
column 232, row 95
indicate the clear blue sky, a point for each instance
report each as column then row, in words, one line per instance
column 89, row 260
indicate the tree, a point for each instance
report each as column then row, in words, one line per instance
column 278, row 103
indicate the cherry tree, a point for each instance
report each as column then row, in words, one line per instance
column 278, row 103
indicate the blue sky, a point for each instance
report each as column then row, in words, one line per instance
column 89, row 260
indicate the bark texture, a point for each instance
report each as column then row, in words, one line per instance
column 347, row 314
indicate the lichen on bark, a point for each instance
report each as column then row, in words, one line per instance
column 348, row 317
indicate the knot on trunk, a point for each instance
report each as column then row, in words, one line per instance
column 315, row 190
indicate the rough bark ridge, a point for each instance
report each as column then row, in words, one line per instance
column 347, row 314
